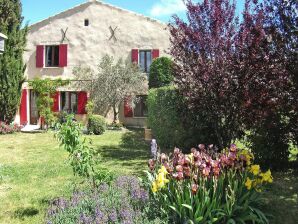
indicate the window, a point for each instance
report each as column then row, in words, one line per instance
column 145, row 60
column 140, row 107
column 52, row 56
column 69, row 102
column 86, row 22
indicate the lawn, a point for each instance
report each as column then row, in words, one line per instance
column 33, row 171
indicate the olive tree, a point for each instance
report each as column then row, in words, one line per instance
column 111, row 84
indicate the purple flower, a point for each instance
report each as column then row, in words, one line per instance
column 113, row 216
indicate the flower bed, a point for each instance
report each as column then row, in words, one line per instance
column 209, row 187
column 124, row 201
column 9, row 129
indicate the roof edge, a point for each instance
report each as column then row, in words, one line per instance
column 100, row 3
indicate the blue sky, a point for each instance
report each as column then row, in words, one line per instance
column 36, row 10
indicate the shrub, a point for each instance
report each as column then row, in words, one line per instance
column 164, row 118
column 161, row 72
column 9, row 129
column 81, row 157
column 209, row 187
column 124, row 201
column 115, row 126
column 96, row 125
column 270, row 144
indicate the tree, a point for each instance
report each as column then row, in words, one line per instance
column 227, row 70
column 111, row 84
column 161, row 72
column 45, row 89
column 203, row 51
column 11, row 62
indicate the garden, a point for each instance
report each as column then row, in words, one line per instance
column 223, row 115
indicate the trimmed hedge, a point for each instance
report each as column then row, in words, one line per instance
column 161, row 72
column 163, row 116
column 96, row 125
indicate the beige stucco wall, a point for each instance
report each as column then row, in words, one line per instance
column 87, row 45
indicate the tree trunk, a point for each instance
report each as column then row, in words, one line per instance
column 115, row 114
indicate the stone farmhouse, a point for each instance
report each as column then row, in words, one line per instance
column 82, row 35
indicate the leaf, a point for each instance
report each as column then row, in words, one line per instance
column 187, row 206
column 199, row 219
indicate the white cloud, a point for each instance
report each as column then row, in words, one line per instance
column 167, row 7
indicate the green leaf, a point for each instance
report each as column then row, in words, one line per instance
column 187, row 206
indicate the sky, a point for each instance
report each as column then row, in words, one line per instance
column 37, row 10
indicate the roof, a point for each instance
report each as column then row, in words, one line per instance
column 3, row 36
column 90, row 2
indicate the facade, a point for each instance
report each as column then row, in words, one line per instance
column 82, row 36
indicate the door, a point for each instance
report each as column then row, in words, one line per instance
column 33, row 108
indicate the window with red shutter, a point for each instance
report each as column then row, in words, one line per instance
column 135, row 56
column 155, row 53
column 128, row 111
column 82, row 102
column 39, row 56
column 63, row 55
column 56, row 97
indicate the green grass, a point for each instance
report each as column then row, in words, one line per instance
column 34, row 170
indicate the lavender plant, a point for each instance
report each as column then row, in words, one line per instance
column 124, row 201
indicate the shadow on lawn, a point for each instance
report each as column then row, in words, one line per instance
column 281, row 198
column 131, row 147
column 21, row 213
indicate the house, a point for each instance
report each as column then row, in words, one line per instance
column 82, row 36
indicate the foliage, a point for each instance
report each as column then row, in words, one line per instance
column 96, row 125
column 111, row 84
column 115, row 126
column 69, row 135
column 269, row 144
column 226, row 70
column 161, row 72
column 9, row 129
column 45, row 89
column 209, row 187
column 90, row 107
column 164, row 116
column 11, row 62
column 104, row 205
column 61, row 116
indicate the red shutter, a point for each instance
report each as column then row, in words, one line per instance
column 55, row 97
column 155, row 53
column 127, row 108
column 39, row 56
column 135, row 56
column 82, row 101
column 23, row 108
column 63, row 55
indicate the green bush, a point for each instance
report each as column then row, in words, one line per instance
column 270, row 144
column 96, row 125
column 161, row 72
column 163, row 116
